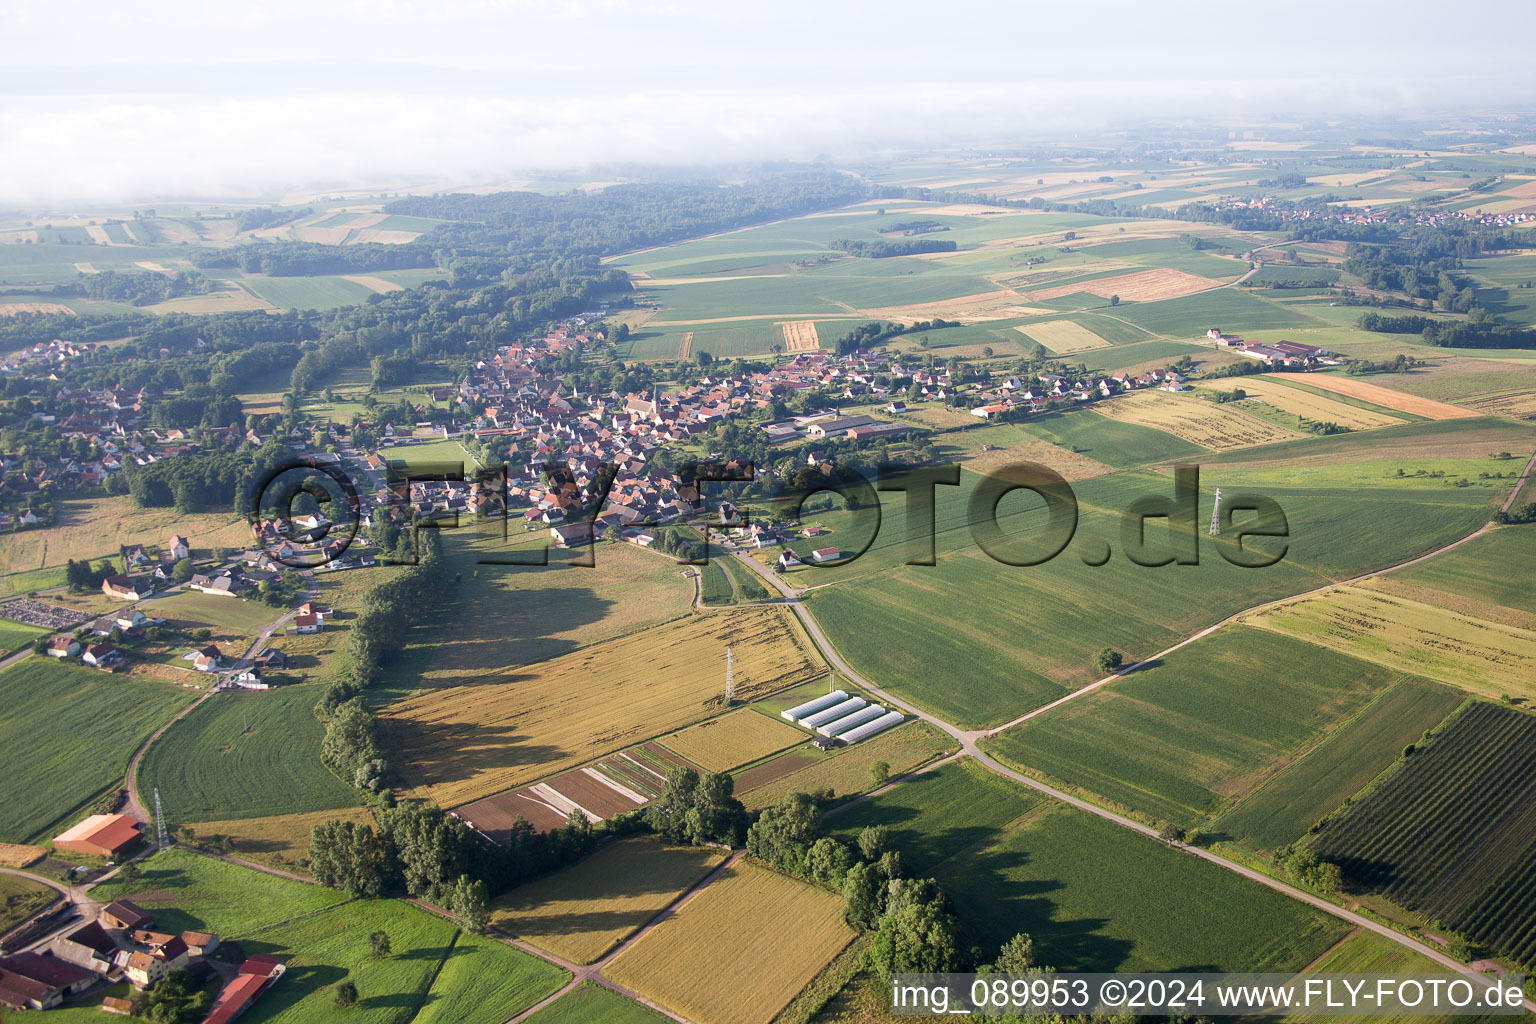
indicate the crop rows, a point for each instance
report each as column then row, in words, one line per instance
column 1452, row 832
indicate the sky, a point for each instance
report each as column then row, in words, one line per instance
column 102, row 103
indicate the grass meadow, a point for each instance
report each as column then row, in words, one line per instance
column 591, row 1003
column 66, row 734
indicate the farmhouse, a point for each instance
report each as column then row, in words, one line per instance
column 36, row 981
column 572, row 534
column 63, row 646
column 255, row 976
column 127, row 588
column 177, row 547
column 100, row 655
column 101, row 835
column 306, row 623
column 206, row 658
column 226, row 584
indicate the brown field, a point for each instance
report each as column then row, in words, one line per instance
column 581, row 912
column 14, row 856
column 175, row 232
column 998, row 305
column 284, row 836
column 86, row 268
column 95, row 527
column 1303, row 403
column 504, row 727
column 1520, row 406
column 19, row 236
column 377, row 284
column 1062, row 336
column 683, row 964
column 845, row 770
column 738, row 738
column 935, row 416
column 800, row 336
column 1192, row 419
column 1143, row 286
column 98, row 234
column 1382, row 396
column 385, row 237
column 1488, row 657
column 217, row 230
column 15, row 308
column 153, row 267
column 1072, row 465
column 685, row 349
column 230, row 298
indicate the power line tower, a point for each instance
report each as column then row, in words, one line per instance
column 1216, row 515
column 730, row 678
column 162, row 837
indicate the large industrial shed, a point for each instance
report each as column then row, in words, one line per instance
column 101, row 835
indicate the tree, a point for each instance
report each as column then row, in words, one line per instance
column 1114, row 300
column 879, row 774
column 346, row 995
column 351, row 857
column 862, row 888
column 468, row 901
column 130, row 875
column 1171, row 833
column 828, row 861
column 378, row 945
column 874, row 841
column 917, row 934
column 1017, row 955
column 782, row 833
column 1108, row 660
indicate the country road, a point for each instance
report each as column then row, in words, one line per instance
column 968, row 739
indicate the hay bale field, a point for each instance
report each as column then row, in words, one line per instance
column 581, row 912
column 738, row 738
column 800, row 336
column 1303, row 403
column 683, row 964
column 1191, row 419
column 1492, row 658
column 13, row 855
column 1387, row 397
column 1062, row 336
column 459, row 743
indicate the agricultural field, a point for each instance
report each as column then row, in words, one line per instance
column 1365, row 952
column 956, row 806
column 1369, row 622
column 1304, row 404
column 1480, row 570
column 66, row 735
column 20, row 898
column 683, row 965
column 192, row 892
column 245, row 755
column 229, row 618
column 16, row 635
column 282, row 839
column 484, row 981
column 591, row 1003
column 466, row 739
column 307, row 292
column 95, row 528
column 1353, row 387
column 1281, row 811
column 1206, row 424
column 19, row 855
column 844, row 771
column 1062, row 337
column 1108, row 441
column 1199, row 730
column 581, row 912
column 732, row 740
column 1450, row 832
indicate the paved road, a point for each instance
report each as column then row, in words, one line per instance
column 968, row 739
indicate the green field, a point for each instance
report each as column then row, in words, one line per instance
column 244, row 755
column 192, row 892
column 213, row 610
column 66, row 734
column 16, row 635
column 1282, row 810
column 20, row 898
column 34, row 579
column 1369, row 953
column 1230, row 309
column 1112, row 442
column 591, row 1003
column 1206, row 726
column 1480, row 569
column 307, row 292
column 956, row 806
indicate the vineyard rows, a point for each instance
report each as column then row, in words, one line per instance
column 1451, row 833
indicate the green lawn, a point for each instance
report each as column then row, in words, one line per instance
column 195, row 609
column 66, row 734
column 956, row 806
column 244, row 755
column 591, row 1003
column 1282, row 810
column 16, row 635
column 34, row 579
column 1181, row 740
column 189, row 891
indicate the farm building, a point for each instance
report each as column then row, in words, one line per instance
column 100, row 835
column 306, row 623
column 127, row 588
column 825, row 554
column 810, row 707
column 99, row 655
column 88, row 946
column 177, row 547
column 63, row 646
column 840, row 426
column 571, row 534
column 35, row 981
column 847, row 723
column 868, row 729
column 255, row 976
column 125, row 915
column 833, row 713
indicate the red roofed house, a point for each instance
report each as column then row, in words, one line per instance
column 256, row 975
column 825, row 554
column 306, row 623
column 101, row 835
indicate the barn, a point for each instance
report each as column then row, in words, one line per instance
column 101, row 835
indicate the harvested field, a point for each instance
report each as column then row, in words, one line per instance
column 512, row 725
column 1062, row 336
column 800, row 336
column 1488, row 657
column 1193, row 420
column 1303, row 403
column 378, row 284
column 1072, row 465
column 583, row 911
column 741, row 737
column 683, row 964
column 1520, row 406
column 98, row 234
column 772, row 771
column 86, row 268
column 13, row 855
column 16, row 308
column 967, row 309
column 281, row 839
column 1142, row 286
column 1382, row 396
